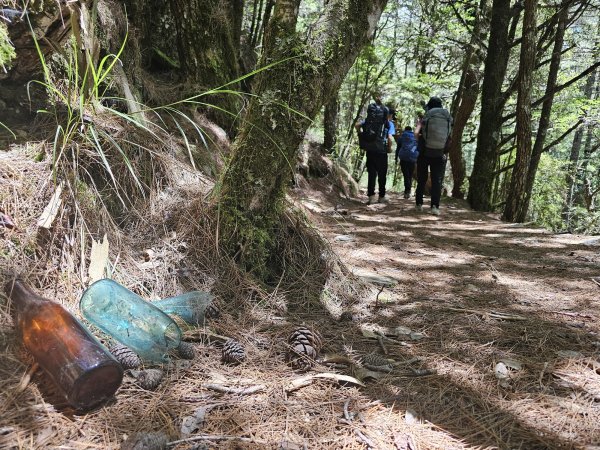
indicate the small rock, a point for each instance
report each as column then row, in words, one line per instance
column 145, row 441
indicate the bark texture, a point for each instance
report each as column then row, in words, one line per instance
column 308, row 71
column 468, row 92
column 330, row 125
column 544, row 123
column 208, row 42
column 516, row 205
column 482, row 176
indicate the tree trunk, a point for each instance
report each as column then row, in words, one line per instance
column 516, row 203
column 307, row 73
column 330, row 125
column 466, row 98
column 217, row 23
column 544, row 123
column 482, row 176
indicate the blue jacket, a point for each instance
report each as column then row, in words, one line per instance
column 407, row 147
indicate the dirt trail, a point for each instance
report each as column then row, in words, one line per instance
column 509, row 313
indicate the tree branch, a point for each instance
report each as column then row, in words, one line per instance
column 559, row 88
column 562, row 136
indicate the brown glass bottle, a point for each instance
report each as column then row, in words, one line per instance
column 85, row 372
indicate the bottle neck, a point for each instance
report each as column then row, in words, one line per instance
column 21, row 295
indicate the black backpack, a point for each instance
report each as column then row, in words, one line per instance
column 374, row 130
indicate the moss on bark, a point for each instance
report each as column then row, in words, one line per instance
column 289, row 96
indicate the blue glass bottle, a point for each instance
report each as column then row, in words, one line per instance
column 191, row 306
column 130, row 319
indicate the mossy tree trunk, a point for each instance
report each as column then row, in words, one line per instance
column 199, row 40
column 308, row 72
column 330, row 124
column 208, row 42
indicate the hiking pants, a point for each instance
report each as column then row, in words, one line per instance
column 438, row 168
column 408, row 167
column 377, row 165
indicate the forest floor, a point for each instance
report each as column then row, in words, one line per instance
column 490, row 331
column 509, row 315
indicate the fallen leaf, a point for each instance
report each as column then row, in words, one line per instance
column 193, row 423
column 365, row 374
column 411, row 417
column 98, row 259
column 6, row 221
column 512, row 363
column 51, row 209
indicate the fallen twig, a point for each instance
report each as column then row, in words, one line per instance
column 199, row 335
column 382, row 345
column 492, row 314
column 395, row 341
column 26, row 378
column 542, row 373
column 368, row 442
column 346, row 412
column 237, row 391
column 348, row 420
column 299, row 383
column 572, row 314
column 377, row 297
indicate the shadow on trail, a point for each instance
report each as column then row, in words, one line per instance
column 482, row 292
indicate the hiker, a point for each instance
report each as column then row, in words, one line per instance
column 375, row 136
column 434, row 129
column 407, row 153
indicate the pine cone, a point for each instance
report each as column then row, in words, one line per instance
column 305, row 346
column 186, row 350
column 148, row 379
column 374, row 361
column 233, row 352
column 211, row 312
column 127, row 357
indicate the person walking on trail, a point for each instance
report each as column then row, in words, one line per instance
column 375, row 136
column 434, row 129
column 407, row 153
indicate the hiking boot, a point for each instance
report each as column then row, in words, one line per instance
column 435, row 210
column 407, row 195
column 419, row 207
column 371, row 199
column 383, row 200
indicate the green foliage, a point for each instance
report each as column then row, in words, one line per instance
column 584, row 221
column 548, row 196
column 7, row 51
column 83, row 146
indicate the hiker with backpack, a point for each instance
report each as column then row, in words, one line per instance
column 407, row 153
column 434, row 129
column 375, row 136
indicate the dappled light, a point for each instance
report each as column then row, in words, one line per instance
column 482, row 292
column 243, row 172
